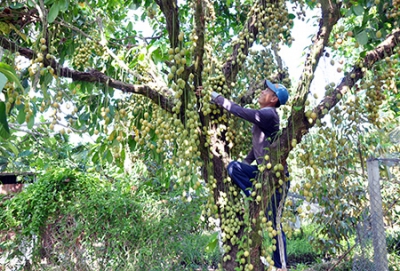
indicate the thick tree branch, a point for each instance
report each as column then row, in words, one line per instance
column 197, row 68
column 95, row 76
column 386, row 48
column 170, row 10
column 330, row 16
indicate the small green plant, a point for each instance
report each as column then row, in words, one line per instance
column 299, row 248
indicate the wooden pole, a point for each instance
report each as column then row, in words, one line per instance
column 378, row 227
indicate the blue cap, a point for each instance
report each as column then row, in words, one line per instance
column 280, row 91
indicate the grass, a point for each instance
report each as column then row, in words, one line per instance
column 300, row 252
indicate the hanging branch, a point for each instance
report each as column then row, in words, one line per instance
column 96, row 76
column 198, row 51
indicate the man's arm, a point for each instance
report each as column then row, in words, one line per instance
column 252, row 115
column 249, row 158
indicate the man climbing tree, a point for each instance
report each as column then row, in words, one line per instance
column 265, row 128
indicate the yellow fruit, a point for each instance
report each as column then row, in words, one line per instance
column 180, row 36
column 314, row 115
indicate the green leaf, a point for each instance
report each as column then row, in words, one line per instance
column 109, row 156
column 64, row 5
column 141, row 57
column 84, row 117
column 297, row 108
column 129, row 27
column 4, row 129
column 358, row 10
column 31, row 121
column 9, row 72
column 45, row 81
column 213, row 242
column 21, row 115
column 362, row 38
column 53, row 12
column 13, row 148
column 25, row 153
column 3, row 160
column 3, row 81
column 123, row 155
column 348, row 13
column 16, row 5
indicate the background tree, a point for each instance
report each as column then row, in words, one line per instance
column 75, row 56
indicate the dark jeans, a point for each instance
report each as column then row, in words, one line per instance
column 241, row 174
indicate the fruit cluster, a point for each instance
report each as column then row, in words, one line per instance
column 84, row 53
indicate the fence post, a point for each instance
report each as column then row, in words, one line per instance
column 378, row 227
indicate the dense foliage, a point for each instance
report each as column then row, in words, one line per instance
column 87, row 68
column 84, row 221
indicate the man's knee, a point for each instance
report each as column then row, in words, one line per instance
column 232, row 166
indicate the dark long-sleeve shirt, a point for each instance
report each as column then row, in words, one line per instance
column 266, row 125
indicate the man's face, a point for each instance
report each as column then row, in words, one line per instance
column 267, row 98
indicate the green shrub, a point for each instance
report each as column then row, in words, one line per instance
column 80, row 221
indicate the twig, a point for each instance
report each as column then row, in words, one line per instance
column 138, row 37
column 342, row 257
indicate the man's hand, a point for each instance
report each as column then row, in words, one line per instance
column 199, row 93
